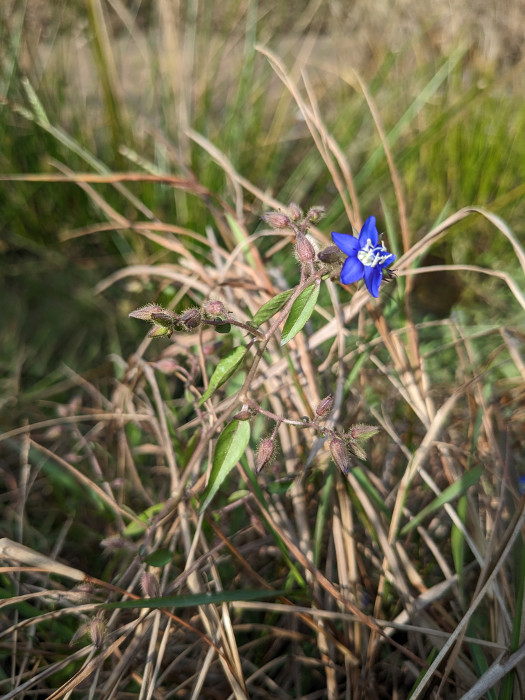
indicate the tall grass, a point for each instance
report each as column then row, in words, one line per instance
column 126, row 572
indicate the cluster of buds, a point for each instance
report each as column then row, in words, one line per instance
column 351, row 442
column 299, row 223
column 165, row 321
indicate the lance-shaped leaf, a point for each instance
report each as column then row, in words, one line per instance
column 230, row 447
column 223, row 372
column 300, row 312
column 271, row 307
column 195, row 599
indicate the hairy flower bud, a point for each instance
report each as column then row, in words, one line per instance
column 191, row 319
column 166, row 365
column 164, row 318
column 145, row 312
column 276, row 220
column 340, row 454
column 295, row 212
column 85, row 592
column 150, row 585
column 330, row 254
column 264, row 454
column 325, row 406
column 215, row 308
column 315, row 214
column 356, row 449
column 97, row 631
column 159, row 331
column 362, row 432
column 305, row 250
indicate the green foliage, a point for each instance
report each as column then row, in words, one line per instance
column 271, row 307
column 223, row 372
column 231, row 445
column 302, row 309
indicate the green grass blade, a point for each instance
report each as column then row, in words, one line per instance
column 189, row 601
column 453, row 491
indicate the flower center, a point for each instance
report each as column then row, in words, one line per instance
column 372, row 256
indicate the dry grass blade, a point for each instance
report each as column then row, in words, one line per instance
column 494, row 674
column 14, row 551
column 514, row 531
column 333, row 157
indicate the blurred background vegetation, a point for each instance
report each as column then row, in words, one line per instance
column 105, row 86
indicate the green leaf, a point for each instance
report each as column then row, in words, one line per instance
column 224, row 328
column 229, row 449
column 135, row 528
column 453, row 491
column 188, row 601
column 223, row 372
column 160, row 557
column 300, row 312
column 271, row 307
column 280, row 487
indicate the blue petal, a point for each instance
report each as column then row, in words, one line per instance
column 388, row 261
column 369, row 231
column 353, row 270
column 373, row 277
column 346, row 242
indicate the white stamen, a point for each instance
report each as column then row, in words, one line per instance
column 373, row 256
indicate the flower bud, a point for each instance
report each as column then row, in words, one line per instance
column 315, row 214
column 325, row 406
column 164, row 318
column 243, row 415
column 166, row 365
column 356, row 449
column 159, row 331
column 264, row 454
column 150, row 585
column 340, row 454
column 85, row 592
column 305, row 250
column 362, row 431
column 97, row 631
column 145, row 312
column 215, row 308
column 331, row 254
column 295, row 212
column 276, row 220
column 191, row 319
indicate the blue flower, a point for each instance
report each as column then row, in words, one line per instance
column 366, row 257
